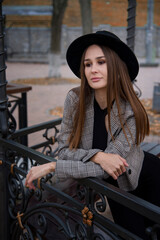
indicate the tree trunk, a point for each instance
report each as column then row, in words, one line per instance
column 86, row 15
column 59, row 7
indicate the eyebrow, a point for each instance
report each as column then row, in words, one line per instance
column 96, row 58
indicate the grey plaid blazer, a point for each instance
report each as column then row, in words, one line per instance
column 77, row 164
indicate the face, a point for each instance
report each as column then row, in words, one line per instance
column 95, row 67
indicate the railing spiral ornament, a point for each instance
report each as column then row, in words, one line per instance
column 100, row 204
column 47, row 150
column 80, row 231
column 19, row 195
column 11, row 123
column 81, row 192
column 152, row 232
column 50, row 135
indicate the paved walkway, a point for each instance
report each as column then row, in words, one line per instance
column 44, row 98
column 145, row 80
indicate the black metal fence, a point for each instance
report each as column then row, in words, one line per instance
column 55, row 210
column 76, row 212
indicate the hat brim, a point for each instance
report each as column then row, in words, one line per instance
column 78, row 46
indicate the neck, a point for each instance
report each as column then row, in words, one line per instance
column 101, row 98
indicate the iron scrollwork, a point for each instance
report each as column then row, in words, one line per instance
column 32, row 217
column 100, row 202
column 11, row 123
column 51, row 141
column 152, row 232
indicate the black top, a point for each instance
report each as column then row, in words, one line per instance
column 99, row 131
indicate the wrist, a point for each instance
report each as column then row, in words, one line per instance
column 52, row 166
column 97, row 158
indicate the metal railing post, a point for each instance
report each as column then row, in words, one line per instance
column 131, row 23
column 4, row 215
column 149, row 32
column 131, row 33
column 3, row 83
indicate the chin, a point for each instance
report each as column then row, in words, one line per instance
column 96, row 86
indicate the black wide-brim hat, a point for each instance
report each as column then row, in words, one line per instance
column 105, row 38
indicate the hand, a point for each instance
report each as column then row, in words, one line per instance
column 38, row 172
column 113, row 164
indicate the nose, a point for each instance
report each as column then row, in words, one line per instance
column 94, row 68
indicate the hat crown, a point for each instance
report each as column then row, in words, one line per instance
column 107, row 34
column 101, row 38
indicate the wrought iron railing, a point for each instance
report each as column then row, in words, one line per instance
column 76, row 217
column 49, row 138
column 48, row 211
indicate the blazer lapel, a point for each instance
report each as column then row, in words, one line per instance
column 115, row 123
column 87, row 135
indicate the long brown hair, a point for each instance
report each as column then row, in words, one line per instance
column 119, row 87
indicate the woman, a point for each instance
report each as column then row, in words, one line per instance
column 103, row 125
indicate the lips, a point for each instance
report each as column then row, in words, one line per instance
column 95, row 79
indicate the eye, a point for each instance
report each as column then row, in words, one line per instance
column 87, row 64
column 100, row 62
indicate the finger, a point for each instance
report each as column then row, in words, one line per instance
column 126, row 164
column 26, row 182
column 123, row 169
column 119, row 171
column 29, row 181
column 31, row 186
column 115, row 173
column 114, row 176
column 124, row 161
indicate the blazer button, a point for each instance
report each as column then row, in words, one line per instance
column 129, row 171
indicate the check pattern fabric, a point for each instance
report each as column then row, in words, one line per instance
column 77, row 164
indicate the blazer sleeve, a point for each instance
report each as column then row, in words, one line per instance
column 64, row 152
column 78, row 169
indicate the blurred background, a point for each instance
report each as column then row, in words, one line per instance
column 31, row 26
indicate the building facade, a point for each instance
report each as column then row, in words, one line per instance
column 28, row 24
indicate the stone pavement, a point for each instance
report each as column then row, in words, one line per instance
column 43, row 98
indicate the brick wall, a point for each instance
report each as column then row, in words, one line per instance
column 112, row 12
column 27, row 2
column 157, row 12
column 33, row 43
column 28, row 21
column 103, row 12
